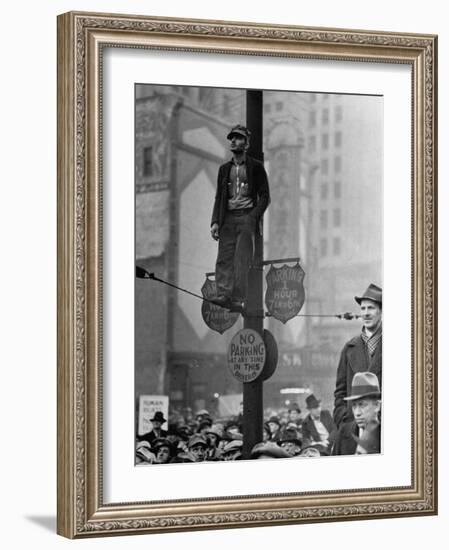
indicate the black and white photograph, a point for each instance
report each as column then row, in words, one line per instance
column 259, row 274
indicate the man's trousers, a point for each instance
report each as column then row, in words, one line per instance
column 235, row 254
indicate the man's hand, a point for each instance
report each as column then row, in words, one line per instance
column 214, row 231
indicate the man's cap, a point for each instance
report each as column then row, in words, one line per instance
column 312, row 402
column 364, row 384
column 269, row 449
column 274, row 419
column 232, row 424
column 158, row 417
column 197, row 439
column 160, row 442
column 373, row 293
column 232, row 446
column 239, row 130
column 215, row 430
column 143, row 451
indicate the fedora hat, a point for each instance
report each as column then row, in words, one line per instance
column 373, row 293
column 364, row 384
column 158, row 417
column 239, row 130
column 312, row 402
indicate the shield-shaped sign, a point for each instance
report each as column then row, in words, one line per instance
column 285, row 294
column 216, row 317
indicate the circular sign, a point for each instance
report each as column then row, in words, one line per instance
column 246, row 355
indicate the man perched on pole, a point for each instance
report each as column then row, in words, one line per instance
column 241, row 198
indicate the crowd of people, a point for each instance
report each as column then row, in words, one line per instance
column 199, row 437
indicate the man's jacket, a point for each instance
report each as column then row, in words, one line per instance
column 354, row 358
column 257, row 187
column 309, row 432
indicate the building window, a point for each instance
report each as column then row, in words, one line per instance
column 337, row 246
column 337, row 139
column 325, row 97
column 337, row 189
column 313, row 98
column 325, row 141
column 324, row 190
column 312, row 118
column 279, row 105
column 338, row 113
column 312, row 144
column 148, row 161
column 324, row 166
column 337, row 217
column 323, row 247
column 325, row 116
column 337, row 164
column 323, row 219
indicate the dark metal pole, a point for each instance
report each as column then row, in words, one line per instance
column 253, row 318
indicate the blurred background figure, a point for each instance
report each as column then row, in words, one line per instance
column 318, row 426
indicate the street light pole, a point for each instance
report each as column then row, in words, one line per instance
column 253, row 316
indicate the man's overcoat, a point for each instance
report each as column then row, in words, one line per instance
column 354, row 358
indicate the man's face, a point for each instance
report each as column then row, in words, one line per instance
column 199, row 452
column 294, row 415
column 371, row 313
column 274, row 427
column 315, row 412
column 156, row 424
column 365, row 410
column 237, row 143
column 163, row 455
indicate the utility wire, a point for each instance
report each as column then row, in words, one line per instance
column 142, row 273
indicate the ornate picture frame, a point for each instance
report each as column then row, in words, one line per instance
column 82, row 40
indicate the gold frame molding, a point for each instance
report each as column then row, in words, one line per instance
column 81, row 37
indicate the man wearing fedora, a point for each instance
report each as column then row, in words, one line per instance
column 156, row 431
column 318, row 426
column 363, row 353
column 241, row 198
column 361, row 435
